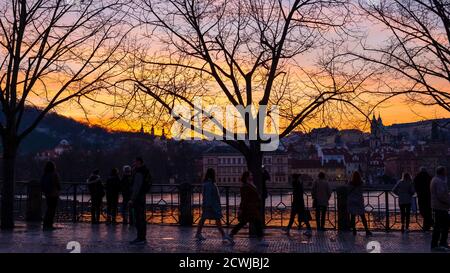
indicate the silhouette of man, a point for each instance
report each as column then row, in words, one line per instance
column 138, row 194
column 422, row 183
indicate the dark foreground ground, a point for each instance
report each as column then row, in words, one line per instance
column 174, row 239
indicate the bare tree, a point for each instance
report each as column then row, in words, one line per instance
column 51, row 52
column 416, row 54
column 243, row 53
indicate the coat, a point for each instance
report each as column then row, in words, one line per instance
column 405, row 192
column 298, row 201
column 440, row 198
column 211, row 208
column 50, row 184
column 422, row 183
column 321, row 193
column 250, row 207
column 140, row 185
column 355, row 200
column 112, row 186
column 95, row 187
column 125, row 187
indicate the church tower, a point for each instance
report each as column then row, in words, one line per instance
column 375, row 133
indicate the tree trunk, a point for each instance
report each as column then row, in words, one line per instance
column 254, row 164
column 7, row 202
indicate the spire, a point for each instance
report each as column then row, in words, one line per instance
column 163, row 134
column 142, row 128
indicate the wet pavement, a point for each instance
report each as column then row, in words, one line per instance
column 29, row 238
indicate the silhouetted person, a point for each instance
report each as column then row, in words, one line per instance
column 141, row 185
column 125, row 188
column 404, row 189
column 321, row 193
column 298, row 206
column 50, row 187
column 112, row 196
column 440, row 203
column 355, row 203
column 250, row 208
column 422, row 183
column 211, row 208
column 97, row 192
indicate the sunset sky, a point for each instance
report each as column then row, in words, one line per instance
column 397, row 110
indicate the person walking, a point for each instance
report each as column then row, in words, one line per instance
column 404, row 189
column 141, row 185
column 321, row 193
column 355, row 203
column 112, row 196
column 97, row 192
column 422, row 183
column 51, row 188
column 125, row 188
column 298, row 206
column 211, row 208
column 440, row 203
column 250, row 209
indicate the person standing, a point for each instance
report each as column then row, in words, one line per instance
column 298, row 206
column 125, row 188
column 211, row 208
column 440, row 203
column 112, row 196
column 321, row 193
column 422, row 183
column 97, row 192
column 250, row 208
column 355, row 203
column 141, row 185
column 51, row 187
column 404, row 189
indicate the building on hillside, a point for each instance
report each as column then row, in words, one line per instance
column 375, row 168
column 309, row 168
column 403, row 162
column 52, row 154
column 334, row 170
column 229, row 165
column 355, row 162
column 379, row 136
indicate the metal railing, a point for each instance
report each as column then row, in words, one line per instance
column 163, row 203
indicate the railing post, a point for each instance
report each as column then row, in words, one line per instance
column 185, row 206
column 74, row 204
column 343, row 221
column 386, row 201
column 34, row 202
column 227, row 205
